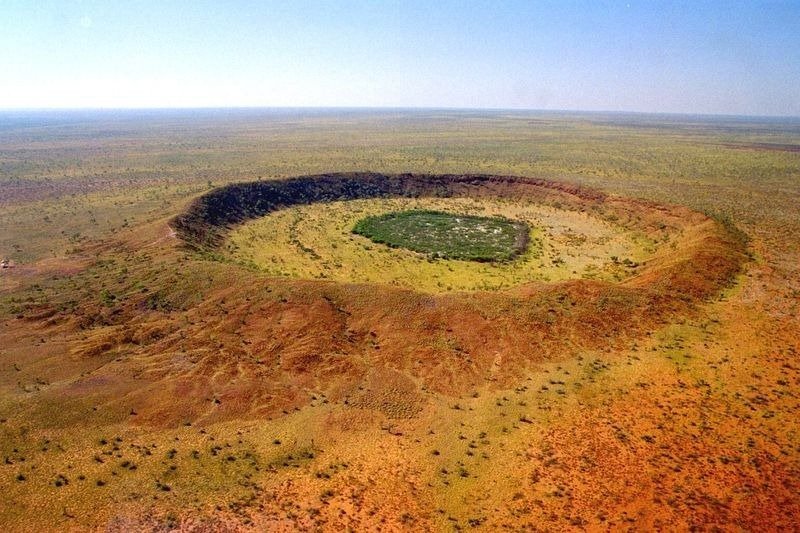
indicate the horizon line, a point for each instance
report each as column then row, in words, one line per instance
column 388, row 108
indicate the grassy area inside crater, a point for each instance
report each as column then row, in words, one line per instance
column 447, row 235
column 317, row 242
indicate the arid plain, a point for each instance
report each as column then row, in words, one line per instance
column 176, row 355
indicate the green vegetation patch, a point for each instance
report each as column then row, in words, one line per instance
column 447, row 235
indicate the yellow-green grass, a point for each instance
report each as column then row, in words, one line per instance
column 316, row 242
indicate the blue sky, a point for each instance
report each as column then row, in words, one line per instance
column 731, row 57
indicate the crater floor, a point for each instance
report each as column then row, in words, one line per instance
column 317, row 242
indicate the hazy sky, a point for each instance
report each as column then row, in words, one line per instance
column 730, row 57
